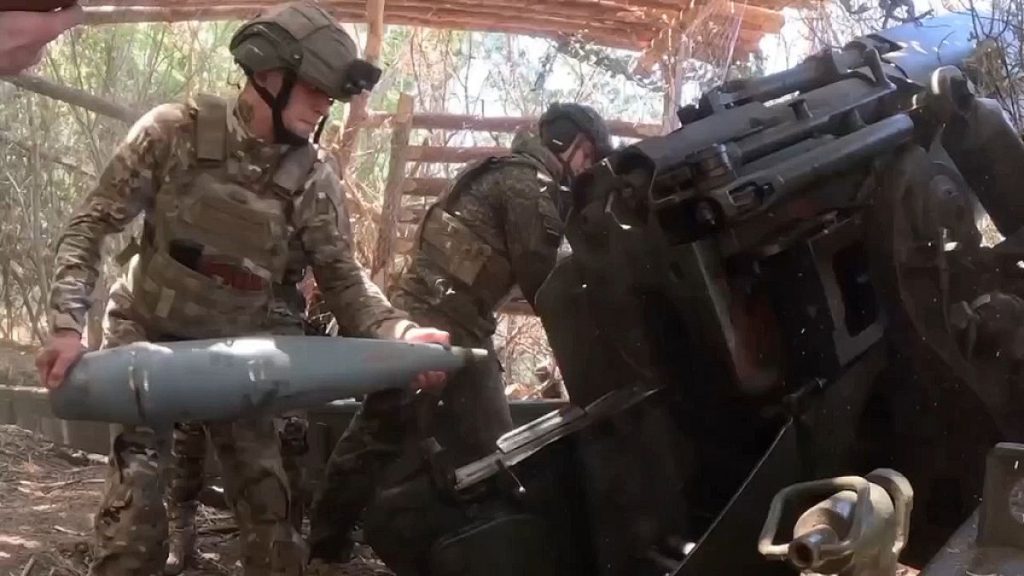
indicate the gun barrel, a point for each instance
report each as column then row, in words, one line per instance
column 227, row 379
column 815, row 72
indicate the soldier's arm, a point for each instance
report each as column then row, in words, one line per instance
column 126, row 186
column 360, row 307
column 533, row 230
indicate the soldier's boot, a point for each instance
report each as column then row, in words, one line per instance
column 188, row 454
column 182, row 537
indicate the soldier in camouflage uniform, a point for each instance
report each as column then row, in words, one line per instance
column 499, row 225
column 189, row 453
column 236, row 202
column 187, row 477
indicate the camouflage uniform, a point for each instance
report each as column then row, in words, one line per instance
column 187, row 478
column 497, row 227
column 189, row 453
column 227, row 217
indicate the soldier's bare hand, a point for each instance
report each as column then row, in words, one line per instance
column 24, row 35
column 57, row 357
column 429, row 381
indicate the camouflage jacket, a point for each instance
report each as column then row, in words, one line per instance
column 160, row 150
column 498, row 226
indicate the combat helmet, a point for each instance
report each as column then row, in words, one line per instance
column 563, row 121
column 304, row 41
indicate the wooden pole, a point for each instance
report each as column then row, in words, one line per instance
column 440, row 121
column 672, row 68
column 453, row 154
column 357, row 114
column 624, row 34
column 74, row 96
column 384, row 253
column 425, row 187
column 583, row 13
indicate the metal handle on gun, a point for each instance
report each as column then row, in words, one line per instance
column 825, row 489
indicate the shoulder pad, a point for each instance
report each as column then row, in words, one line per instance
column 211, row 127
column 163, row 119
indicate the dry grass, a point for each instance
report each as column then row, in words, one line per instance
column 47, row 497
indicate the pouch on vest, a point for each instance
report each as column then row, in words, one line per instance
column 453, row 246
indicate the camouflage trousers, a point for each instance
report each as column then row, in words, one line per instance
column 188, row 465
column 131, row 525
column 472, row 415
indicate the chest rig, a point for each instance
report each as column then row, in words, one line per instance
column 215, row 247
column 470, row 260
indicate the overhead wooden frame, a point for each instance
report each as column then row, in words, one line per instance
column 627, row 24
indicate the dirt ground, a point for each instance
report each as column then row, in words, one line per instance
column 48, row 495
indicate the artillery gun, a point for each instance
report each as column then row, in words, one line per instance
column 790, row 287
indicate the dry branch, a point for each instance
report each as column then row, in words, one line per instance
column 29, row 566
column 27, row 151
column 74, row 96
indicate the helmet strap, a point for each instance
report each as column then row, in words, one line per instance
column 277, row 105
column 566, row 159
column 320, row 128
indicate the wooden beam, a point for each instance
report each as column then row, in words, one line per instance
column 384, row 252
column 135, row 14
column 425, row 187
column 439, row 121
column 496, row 10
column 74, row 96
column 577, row 9
column 754, row 17
column 95, row 15
column 357, row 107
column 452, row 155
column 614, row 33
column 411, row 214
